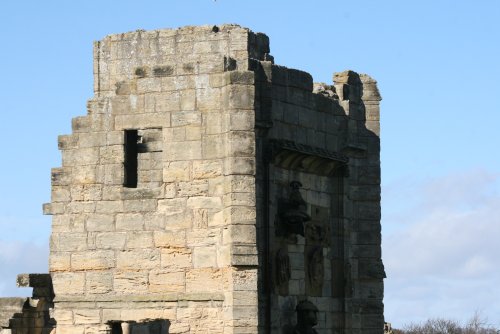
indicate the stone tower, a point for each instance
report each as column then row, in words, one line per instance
column 208, row 190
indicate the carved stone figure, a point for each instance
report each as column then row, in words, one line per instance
column 283, row 272
column 317, row 233
column 315, row 271
column 307, row 318
column 293, row 212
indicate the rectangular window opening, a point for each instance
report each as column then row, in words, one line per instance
column 116, row 328
column 130, row 163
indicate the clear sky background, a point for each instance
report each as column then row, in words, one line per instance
column 437, row 64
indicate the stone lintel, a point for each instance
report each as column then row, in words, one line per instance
column 291, row 155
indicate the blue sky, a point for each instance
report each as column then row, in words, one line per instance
column 437, row 67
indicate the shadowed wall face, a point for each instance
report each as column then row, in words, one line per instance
column 320, row 213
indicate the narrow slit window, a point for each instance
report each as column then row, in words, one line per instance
column 130, row 164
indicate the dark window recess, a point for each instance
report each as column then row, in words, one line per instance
column 116, row 328
column 130, row 164
column 157, row 326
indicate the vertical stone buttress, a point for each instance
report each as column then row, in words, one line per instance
column 360, row 98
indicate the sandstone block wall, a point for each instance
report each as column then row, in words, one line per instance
column 180, row 244
column 176, row 205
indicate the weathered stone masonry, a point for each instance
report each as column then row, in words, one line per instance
column 208, row 190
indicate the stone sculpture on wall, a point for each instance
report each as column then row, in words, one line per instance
column 315, row 270
column 283, row 271
column 292, row 213
column 307, row 318
column 317, row 231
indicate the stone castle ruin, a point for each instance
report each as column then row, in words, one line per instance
column 208, row 190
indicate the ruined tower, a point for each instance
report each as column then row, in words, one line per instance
column 208, row 190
